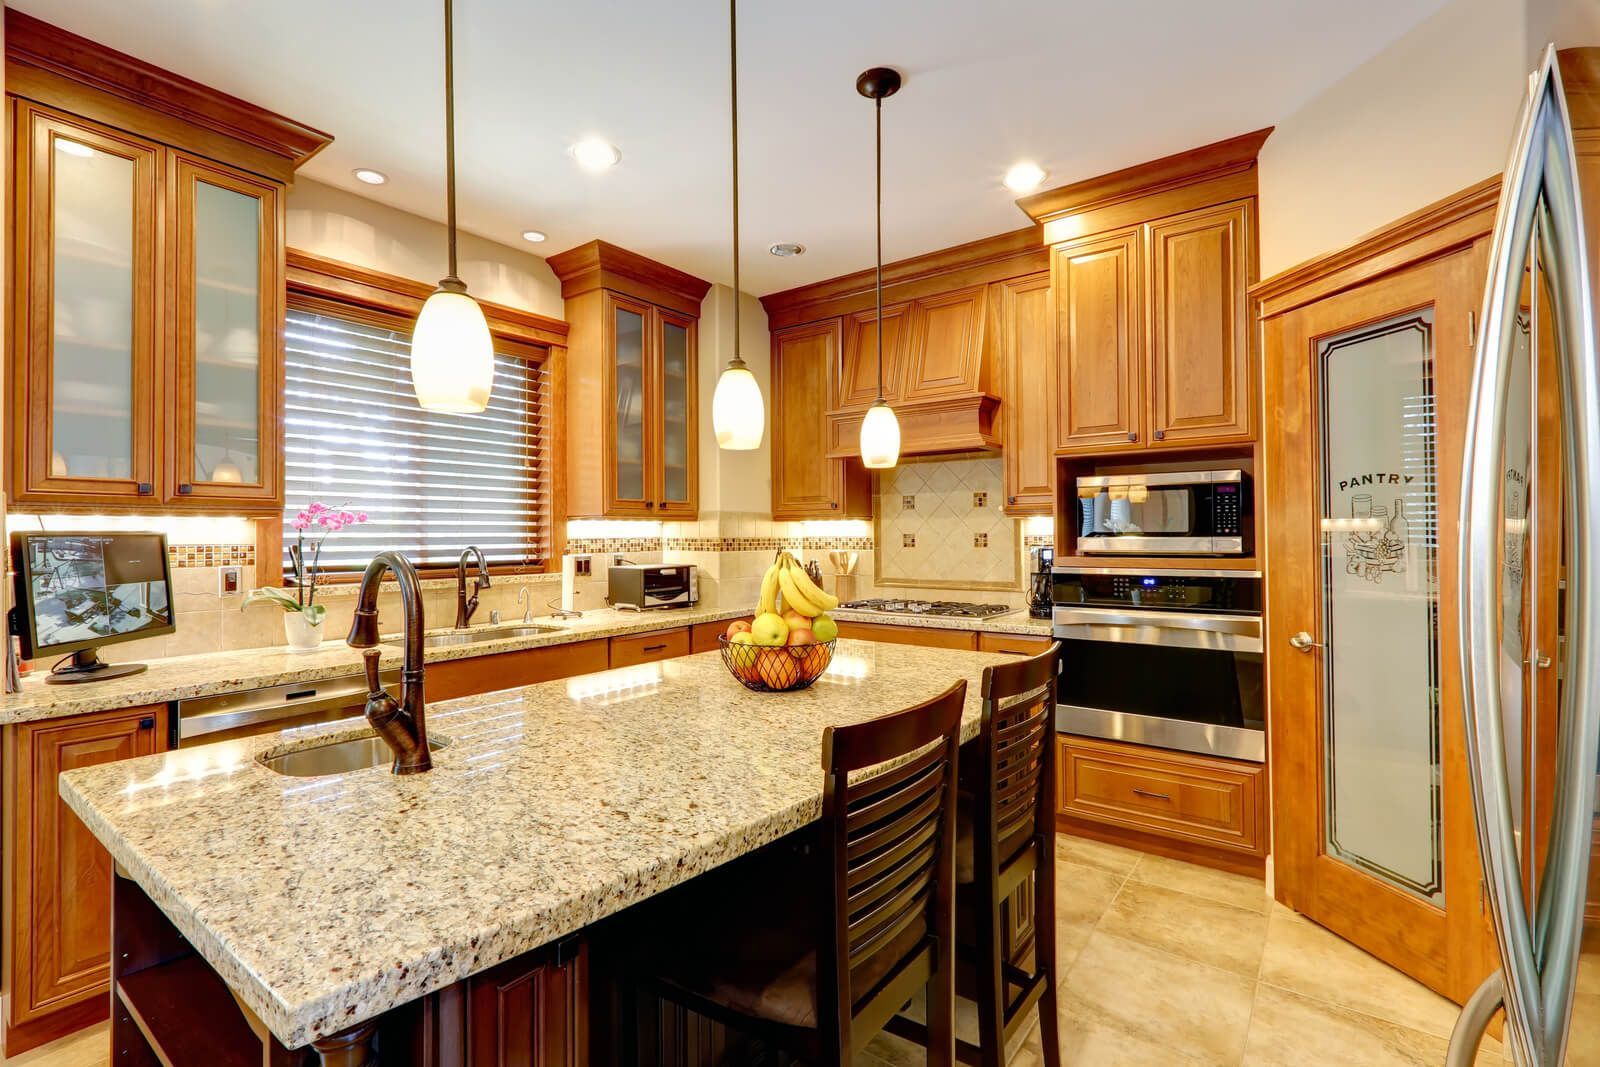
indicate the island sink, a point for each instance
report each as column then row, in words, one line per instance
column 338, row 757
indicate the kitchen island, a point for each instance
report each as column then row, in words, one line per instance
column 326, row 905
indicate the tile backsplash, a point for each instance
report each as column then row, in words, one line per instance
column 941, row 526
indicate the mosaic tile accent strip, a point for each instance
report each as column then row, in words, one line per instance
column 595, row 546
column 211, row 555
column 764, row 544
column 1038, row 540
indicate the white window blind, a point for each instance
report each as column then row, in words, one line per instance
column 430, row 483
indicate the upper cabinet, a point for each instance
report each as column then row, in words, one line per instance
column 147, row 349
column 1026, row 310
column 807, row 483
column 632, row 384
column 1151, row 269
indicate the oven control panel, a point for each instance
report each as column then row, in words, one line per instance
column 1235, row 591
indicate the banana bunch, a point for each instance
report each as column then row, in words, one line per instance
column 800, row 593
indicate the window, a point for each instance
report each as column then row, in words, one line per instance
column 430, row 483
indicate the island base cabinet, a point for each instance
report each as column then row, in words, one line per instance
column 57, row 922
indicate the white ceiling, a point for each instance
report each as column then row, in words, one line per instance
column 1081, row 86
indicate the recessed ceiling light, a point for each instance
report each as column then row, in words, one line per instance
column 74, row 148
column 1024, row 177
column 595, row 154
column 534, row 235
column 788, row 248
column 369, row 176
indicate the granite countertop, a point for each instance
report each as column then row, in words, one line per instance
column 1014, row 622
column 327, row 901
column 210, row 673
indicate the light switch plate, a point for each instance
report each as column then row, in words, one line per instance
column 228, row 581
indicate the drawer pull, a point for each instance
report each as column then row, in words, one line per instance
column 654, row 648
column 1150, row 793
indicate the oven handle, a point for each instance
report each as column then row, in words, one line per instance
column 1229, row 633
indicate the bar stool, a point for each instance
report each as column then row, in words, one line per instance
column 1005, row 838
column 821, row 961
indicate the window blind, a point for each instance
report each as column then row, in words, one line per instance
column 430, row 483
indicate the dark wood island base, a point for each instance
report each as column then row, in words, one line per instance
column 170, row 1009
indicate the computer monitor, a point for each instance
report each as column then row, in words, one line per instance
column 78, row 591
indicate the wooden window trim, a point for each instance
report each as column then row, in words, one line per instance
column 319, row 284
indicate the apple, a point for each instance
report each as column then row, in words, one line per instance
column 801, row 635
column 825, row 628
column 796, row 621
column 736, row 627
column 777, row 668
column 770, row 629
column 743, row 637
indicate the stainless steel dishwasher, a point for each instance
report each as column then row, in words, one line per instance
column 202, row 720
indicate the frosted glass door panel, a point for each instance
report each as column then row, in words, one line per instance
column 92, row 320
column 227, row 335
column 675, row 441
column 1380, row 604
column 630, row 403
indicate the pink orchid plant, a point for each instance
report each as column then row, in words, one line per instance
column 317, row 522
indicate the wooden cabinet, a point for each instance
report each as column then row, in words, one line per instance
column 806, row 482
column 703, row 635
column 928, row 636
column 1209, row 809
column 649, row 647
column 447, row 679
column 529, row 1012
column 858, row 368
column 1200, row 382
column 632, row 384
column 57, row 877
column 1026, row 312
column 148, row 284
column 1017, row 644
column 1100, row 353
column 945, row 356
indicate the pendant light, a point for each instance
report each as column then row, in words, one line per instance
column 452, row 356
column 880, row 430
column 737, row 413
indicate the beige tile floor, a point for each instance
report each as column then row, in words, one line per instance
column 1164, row 963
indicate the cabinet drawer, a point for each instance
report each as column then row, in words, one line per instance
column 647, row 648
column 1020, row 644
column 909, row 635
column 703, row 635
column 448, row 679
column 1196, row 799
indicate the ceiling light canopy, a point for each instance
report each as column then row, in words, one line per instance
column 596, row 155
column 880, row 429
column 535, row 236
column 370, row 176
column 1024, row 177
column 738, row 414
column 452, row 355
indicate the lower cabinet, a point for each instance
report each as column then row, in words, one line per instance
column 57, row 899
column 703, row 635
column 1199, row 808
column 927, row 636
column 649, row 647
column 530, row 1012
column 451, row 678
column 1017, row 644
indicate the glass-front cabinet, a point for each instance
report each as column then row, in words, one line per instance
column 149, row 287
column 675, row 428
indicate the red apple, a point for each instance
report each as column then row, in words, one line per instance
column 737, row 626
column 797, row 621
column 801, row 635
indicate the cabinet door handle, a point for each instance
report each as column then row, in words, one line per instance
column 184, row 489
column 1161, row 435
column 1133, row 435
column 1150, row 793
column 1302, row 642
column 1011, row 500
column 146, row 489
column 147, row 723
column 650, row 504
column 834, row 504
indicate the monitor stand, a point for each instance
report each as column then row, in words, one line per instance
column 87, row 666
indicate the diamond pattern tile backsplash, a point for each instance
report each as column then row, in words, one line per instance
column 940, row 523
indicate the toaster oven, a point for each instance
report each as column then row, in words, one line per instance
column 648, row 586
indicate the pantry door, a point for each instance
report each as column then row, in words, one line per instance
column 1374, row 831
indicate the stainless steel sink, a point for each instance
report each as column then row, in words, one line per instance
column 475, row 637
column 339, row 757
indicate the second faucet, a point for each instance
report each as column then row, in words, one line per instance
column 466, row 605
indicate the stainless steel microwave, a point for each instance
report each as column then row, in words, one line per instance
column 1166, row 513
column 643, row 586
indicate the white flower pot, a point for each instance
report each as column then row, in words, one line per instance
column 303, row 636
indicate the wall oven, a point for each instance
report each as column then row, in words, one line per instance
column 1186, row 513
column 1169, row 658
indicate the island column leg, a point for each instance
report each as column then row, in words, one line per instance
column 348, row 1048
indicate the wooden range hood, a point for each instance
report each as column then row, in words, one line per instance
column 941, row 345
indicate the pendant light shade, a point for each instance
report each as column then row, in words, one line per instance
column 227, row 470
column 880, row 430
column 452, row 355
column 738, row 416
column 880, row 437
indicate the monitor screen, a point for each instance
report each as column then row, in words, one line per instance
column 79, row 590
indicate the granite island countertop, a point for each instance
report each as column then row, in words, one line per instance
column 327, row 901
column 211, row 673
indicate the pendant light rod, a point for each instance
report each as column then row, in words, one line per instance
column 733, row 96
column 875, row 84
column 450, row 137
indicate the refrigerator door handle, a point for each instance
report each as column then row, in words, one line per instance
column 1539, row 951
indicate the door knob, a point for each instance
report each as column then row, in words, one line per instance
column 1302, row 642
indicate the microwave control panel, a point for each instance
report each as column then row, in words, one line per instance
column 1227, row 519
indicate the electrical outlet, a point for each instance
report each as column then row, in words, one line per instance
column 581, row 566
column 228, row 581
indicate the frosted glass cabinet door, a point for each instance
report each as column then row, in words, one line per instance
column 630, row 441
column 88, row 367
column 228, row 362
column 676, row 342
column 1382, row 780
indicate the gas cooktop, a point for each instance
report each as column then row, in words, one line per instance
column 951, row 608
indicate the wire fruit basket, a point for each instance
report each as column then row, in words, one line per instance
column 775, row 668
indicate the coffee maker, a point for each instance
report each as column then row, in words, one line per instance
column 1039, row 602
